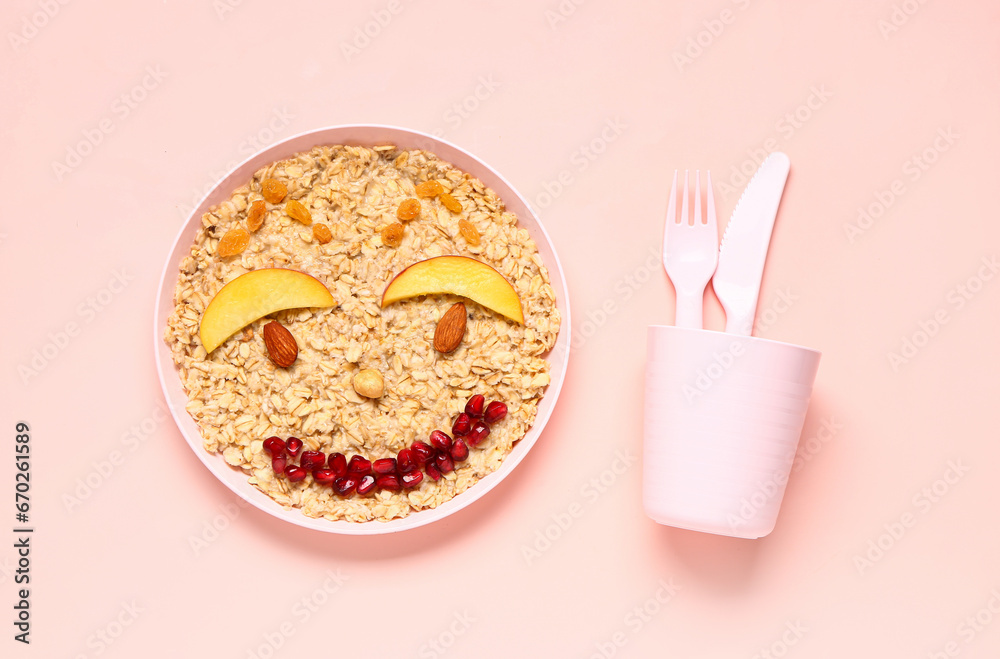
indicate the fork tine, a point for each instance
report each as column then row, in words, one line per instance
column 710, row 219
column 685, row 217
column 672, row 203
column 671, row 218
column 697, row 197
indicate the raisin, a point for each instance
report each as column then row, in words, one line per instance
column 297, row 211
column 450, row 203
column 392, row 235
column 429, row 189
column 234, row 242
column 322, row 233
column 255, row 216
column 469, row 232
column 273, row 190
column 408, row 210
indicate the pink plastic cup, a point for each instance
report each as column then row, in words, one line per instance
column 723, row 416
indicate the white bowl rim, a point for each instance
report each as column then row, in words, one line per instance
column 234, row 478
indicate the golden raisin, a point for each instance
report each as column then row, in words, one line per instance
column 255, row 216
column 408, row 210
column 273, row 190
column 234, row 242
column 429, row 189
column 322, row 233
column 469, row 232
column 297, row 211
column 392, row 235
column 450, row 203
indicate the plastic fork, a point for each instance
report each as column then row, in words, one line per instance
column 690, row 250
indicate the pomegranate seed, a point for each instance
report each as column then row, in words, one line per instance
column 422, row 452
column 338, row 464
column 311, row 460
column 459, row 450
column 474, row 407
column 388, row 482
column 462, row 425
column 359, row 465
column 325, row 476
column 405, row 461
column 412, row 479
column 444, row 462
column 440, row 441
column 494, row 412
column 384, row 466
column 432, row 471
column 344, row 486
column 292, row 445
column 366, row 484
column 479, row 432
column 278, row 463
column 274, row 445
column 295, row 474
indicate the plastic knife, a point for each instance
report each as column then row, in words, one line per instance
column 744, row 244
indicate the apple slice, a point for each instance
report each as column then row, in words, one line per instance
column 254, row 295
column 458, row 275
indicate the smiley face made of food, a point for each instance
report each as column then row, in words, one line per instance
column 374, row 348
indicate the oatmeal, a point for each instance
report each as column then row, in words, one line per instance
column 334, row 213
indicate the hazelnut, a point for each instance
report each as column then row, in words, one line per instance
column 369, row 383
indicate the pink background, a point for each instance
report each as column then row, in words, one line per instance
column 160, row 558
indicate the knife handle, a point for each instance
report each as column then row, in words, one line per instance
column 740, row 320
column 739, row 326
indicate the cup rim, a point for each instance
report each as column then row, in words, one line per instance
column 650, row 328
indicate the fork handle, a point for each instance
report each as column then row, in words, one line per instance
column 689, row 309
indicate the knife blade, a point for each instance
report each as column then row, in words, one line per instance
column 744, row 244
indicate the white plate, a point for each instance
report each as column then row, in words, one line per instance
column 366, row 135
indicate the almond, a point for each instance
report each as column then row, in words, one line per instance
column 450, row 329
column 281, row 346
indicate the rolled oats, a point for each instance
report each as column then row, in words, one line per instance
column 238, row 397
